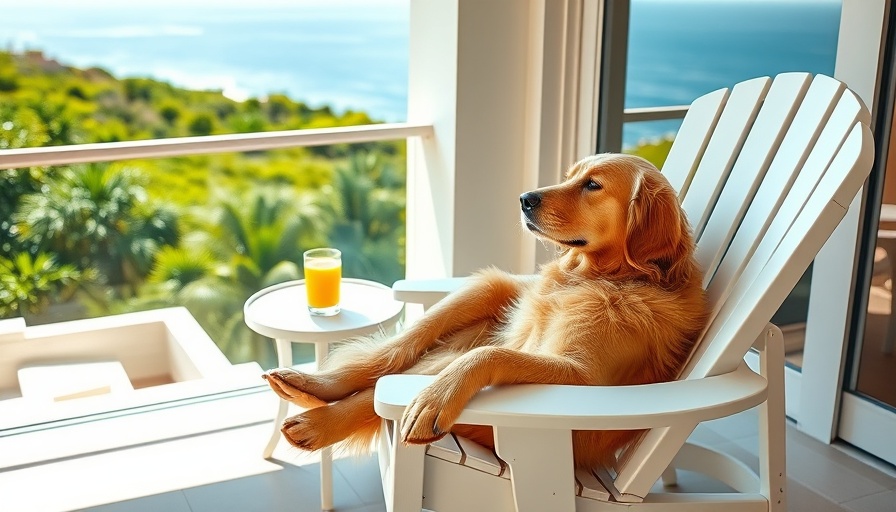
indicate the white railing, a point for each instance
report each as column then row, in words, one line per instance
column 257, row 141
column 181, row 146
column 636, row 115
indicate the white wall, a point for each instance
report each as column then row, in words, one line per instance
column 490, row 75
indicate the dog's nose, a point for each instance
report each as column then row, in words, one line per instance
column 529, row 200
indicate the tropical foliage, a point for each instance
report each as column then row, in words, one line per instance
column 203, row 232
column 27, row 283
column 97, row 216
column 654, row 151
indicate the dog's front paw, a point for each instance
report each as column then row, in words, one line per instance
column 289, row 384
column 430, row 416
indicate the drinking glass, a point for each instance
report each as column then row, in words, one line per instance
column 323, row 276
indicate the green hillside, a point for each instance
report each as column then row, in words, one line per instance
column 203, row 231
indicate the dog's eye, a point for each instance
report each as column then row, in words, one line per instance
column 593, row 185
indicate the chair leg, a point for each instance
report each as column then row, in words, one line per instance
column 541, row 468
column 275, row 435
column 284, row 359
column 401, row 470
column 772, row 423
column 670, row 477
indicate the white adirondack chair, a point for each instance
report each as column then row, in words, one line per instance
column 765, row 172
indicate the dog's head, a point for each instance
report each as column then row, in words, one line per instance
column 619, row 212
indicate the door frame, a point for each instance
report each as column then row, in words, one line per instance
column 816, row 396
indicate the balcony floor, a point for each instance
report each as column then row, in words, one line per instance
column 206, row 456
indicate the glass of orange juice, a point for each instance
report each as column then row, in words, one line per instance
column 323, row 276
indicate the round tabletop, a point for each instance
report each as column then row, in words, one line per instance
column 281, row 311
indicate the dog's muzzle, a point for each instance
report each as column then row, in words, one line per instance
column 529, row 202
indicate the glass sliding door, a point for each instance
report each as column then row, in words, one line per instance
column 873, row 359
column 868, row 408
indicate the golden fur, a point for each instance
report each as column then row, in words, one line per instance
column 622, row 304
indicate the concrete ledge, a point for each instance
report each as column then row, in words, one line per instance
column 162, row 354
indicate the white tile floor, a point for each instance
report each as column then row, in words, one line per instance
column 207, row 457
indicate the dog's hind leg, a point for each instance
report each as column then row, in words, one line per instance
column 474, row 308
column 354, row 365
column 352, row 420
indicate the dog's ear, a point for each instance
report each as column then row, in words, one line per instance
column 657, row 238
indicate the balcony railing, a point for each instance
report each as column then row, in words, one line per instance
column 205, row 145
column 159, row 148
column 636, row 115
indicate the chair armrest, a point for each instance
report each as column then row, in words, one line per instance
column 425, row 291
column 429, row 291
column 589, row 407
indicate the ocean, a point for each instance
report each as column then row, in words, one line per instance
column 681, row 49
column 352, row 54
column 348, row 54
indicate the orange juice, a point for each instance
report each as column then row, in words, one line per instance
column 322, row 278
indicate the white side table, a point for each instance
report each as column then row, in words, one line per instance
column 281, row 312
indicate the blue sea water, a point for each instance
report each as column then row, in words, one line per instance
column 348, row 54
column 352, row 54
column 681, row 49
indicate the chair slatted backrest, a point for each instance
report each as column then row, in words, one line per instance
column 824, row 121
column 797, row 161
column 693, row 137
column 758, row 240
column 750, row 170
column 721, row 154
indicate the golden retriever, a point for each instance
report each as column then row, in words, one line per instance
column 622, row 304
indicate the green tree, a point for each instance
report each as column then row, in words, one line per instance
column 201, row 124
column 263, row 229
column 96, row 216
column 247, row 122
column 29, row 284
column 170, row 112
column 279, row 107
column 61, row 127
column 180, row 266
column 264, row 233
column 369, row 209
column 139, row 89
column 20, row 127
column 250, row 241
column 14, row 184
column 9, row 75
